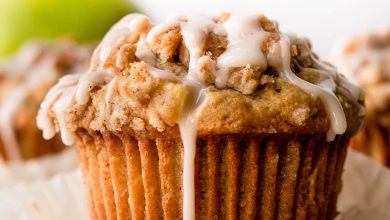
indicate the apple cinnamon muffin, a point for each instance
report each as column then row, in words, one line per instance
column 366, row 61
column 24, row 82
column 206, row 118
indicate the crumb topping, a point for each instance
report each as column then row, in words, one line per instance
column 236, row 73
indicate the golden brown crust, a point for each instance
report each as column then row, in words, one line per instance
column 279, row 107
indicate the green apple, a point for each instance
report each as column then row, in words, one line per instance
column 84, row 20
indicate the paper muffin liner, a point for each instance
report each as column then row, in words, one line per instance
column 374, row 141
column 236, row 176
column 367, row 200
column 60, row 197
column 37, row 169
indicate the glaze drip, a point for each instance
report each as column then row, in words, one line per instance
column 65, row 90
column 245, row 37
column 195, row 32
column 324, row 90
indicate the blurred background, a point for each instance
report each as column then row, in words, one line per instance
column 324, row 22
column 83, row 20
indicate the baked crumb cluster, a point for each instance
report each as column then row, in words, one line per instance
column 172, row 55
column 145, row 89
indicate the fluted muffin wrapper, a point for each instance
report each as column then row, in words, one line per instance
column 43, row 168
column 59, row 197
column 236, row 176
column 374, row 141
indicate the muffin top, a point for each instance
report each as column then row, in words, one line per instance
column 365, row 60
column 227, row 74
column 24, row 81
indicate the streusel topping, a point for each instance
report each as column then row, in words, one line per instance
column 143, row 75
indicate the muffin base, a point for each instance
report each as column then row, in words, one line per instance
column 237, row 176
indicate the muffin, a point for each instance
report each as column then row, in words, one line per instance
column 366, row 61
column 24, row 82
column 208, row 118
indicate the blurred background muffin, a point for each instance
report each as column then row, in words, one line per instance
column 52, row 34
column 25, row 79
column 365, row 60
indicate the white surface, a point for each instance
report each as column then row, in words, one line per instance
column 324, row 22
column 366, row 191
column 365, row 195
column 59, row 198
column 38, row 169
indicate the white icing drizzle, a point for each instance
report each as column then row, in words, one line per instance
column 171, row 23
column 89, row 81
column 354, row 92
column 162, row 74
column 245, row 37
column 97, row 74
column 117, row 33
column 188, row 126
column 331, row 102
column 142, row 25
column 110, row 91
column 188, row 134
column 195, row 32
column 144, row 53
column 62, row 95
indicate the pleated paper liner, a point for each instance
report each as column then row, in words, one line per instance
column 374, row 141
column 58, row 198
column 237, row 176
column 365, row 195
